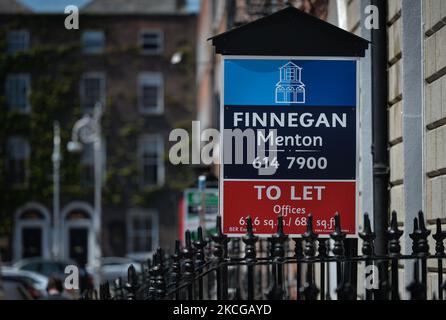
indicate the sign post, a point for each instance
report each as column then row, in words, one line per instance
column 289, row 122
column 200, row 208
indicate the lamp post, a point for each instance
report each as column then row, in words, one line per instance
column 56, row 158
column 202, row 189
column 87, row 130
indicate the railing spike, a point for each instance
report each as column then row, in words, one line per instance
column 439, row 238
column 338, row 236
column 368, row 237
column 394, row 235
column 394, row 220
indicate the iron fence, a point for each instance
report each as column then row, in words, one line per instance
column 276, row 268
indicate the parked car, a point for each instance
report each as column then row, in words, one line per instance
column 117, row 267
column 23, row 285
column 51, row 268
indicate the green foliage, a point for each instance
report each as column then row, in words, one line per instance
column 55, row 96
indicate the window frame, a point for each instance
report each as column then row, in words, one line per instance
column 132, row 233
column 26, row 161
column 155, row 79
column 95, row 51
column 27, row 38
column 27, row 79
column 103, row 88
column 160, row 48
column 160, row 159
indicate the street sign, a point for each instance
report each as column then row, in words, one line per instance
column 193, row 199
column 289, row 144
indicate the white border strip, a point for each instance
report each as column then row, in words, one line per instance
column 222, row 105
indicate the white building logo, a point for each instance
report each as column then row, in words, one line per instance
column 290, row 89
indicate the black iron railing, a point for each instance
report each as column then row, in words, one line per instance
column 306, row 268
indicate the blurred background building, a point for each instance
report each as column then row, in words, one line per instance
column 137, row 59
column 150, row 64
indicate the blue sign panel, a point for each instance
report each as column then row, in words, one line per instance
column 295, row 117
column 288, row 82
column 332, row 142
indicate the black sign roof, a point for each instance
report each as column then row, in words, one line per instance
column 290, row 32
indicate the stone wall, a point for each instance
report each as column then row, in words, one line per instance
column 434, row 18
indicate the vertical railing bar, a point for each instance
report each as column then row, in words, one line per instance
column 250, row 256
column 298, row 253
column 439, row 237
column 221, row 254
column 368, row 250
column 189, row 266
column 311, row 291
column 338, row 249
column 394, row 251
column 199, row 245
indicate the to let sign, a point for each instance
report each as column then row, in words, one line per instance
column 289, row 143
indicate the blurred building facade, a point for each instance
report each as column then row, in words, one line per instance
column 121, row 56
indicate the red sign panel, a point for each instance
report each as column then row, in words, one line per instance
column 264, row 201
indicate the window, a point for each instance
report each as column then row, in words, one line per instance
column 87, row 164
column 92, row 90
column 290, row 74
column 151, row 162
column 151, row 93
column 151, row 41
column 17, row 90
column 93, row 41
column 17, row 158
column 17, row 40
column 142, row 227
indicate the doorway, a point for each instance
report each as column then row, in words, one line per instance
column 77, row 234
column 31, row 232
column 31, row 242
column 78, row 245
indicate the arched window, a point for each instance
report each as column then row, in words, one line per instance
column 32, row 232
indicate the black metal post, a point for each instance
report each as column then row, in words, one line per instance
column 368, row 250
column 221, row 253
column 132, row 283
column 394, row 249
column 176, row 268
column 298, row 254
column 310, row 290
column 189, row 268
column 379, row 123
column 338, row 249
column 160, row 283
column 323, row 254
column 250, row 256
column 199, row 245
column 439, row 237
column 420, row 247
